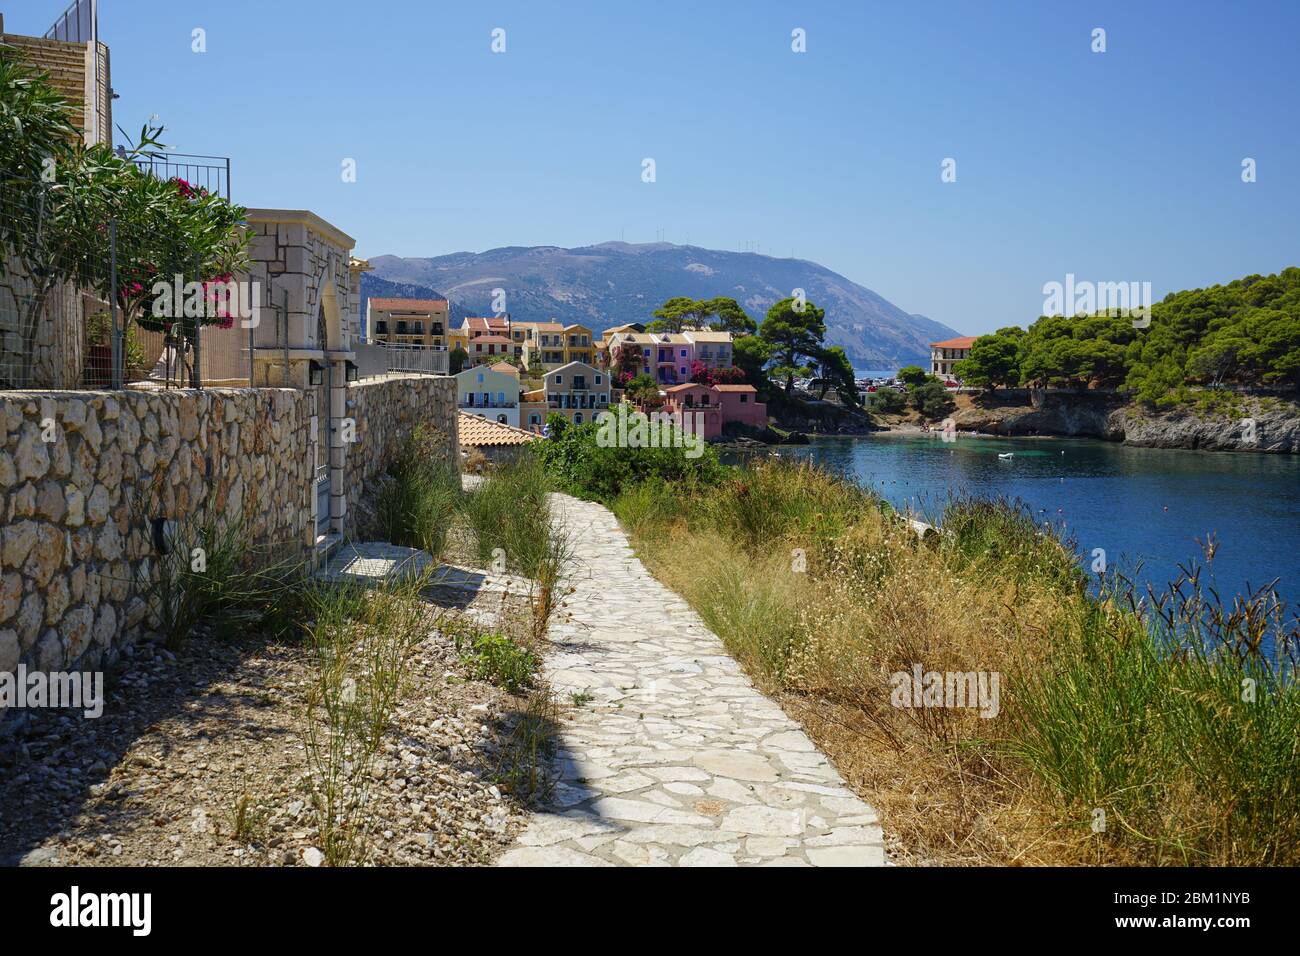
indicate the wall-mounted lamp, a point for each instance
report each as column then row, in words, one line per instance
column 352, row 371
column 164, row 535
column 315, row 372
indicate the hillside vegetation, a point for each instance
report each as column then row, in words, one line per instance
column 1244, row 333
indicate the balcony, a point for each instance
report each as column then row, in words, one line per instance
column 379, row 358
column 471, row 403
column 212, row 173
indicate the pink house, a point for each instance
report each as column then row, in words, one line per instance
column 718, row 404
column 740, row 404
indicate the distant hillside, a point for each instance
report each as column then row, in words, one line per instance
column 615, row 282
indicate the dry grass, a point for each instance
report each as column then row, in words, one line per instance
column 823, row 594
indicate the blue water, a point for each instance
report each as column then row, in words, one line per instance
column 1144, row 506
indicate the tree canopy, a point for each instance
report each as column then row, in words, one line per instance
column 1246, row 333
column 795, row 337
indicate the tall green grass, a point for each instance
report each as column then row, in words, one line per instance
column 416, row 504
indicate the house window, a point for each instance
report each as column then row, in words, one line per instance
column 480, row 376
column 744, row 399
column 683, row 353
column 559, row 380
column 501, row 397
column 682, row 370
column 478, row 346
column 577, row 418
column 502, row 419
column 534, row 418
column 597, row 379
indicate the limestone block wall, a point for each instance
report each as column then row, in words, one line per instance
column 303, row 262
column 385, row 411
column 82, row 475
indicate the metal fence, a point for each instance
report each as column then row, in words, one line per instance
column 93, row 320
column 212, row 173
column 381, row 358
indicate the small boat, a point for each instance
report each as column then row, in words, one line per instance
column 1006, row 455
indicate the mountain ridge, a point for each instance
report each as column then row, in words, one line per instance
column 613, row 283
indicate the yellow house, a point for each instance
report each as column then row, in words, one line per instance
column 407, row 322
column 543, row 344
column 579, row 345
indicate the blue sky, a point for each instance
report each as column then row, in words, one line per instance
column 1118, row 166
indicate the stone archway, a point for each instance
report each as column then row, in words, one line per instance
column 330, row 320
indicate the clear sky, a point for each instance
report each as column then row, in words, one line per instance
column 1115, row 166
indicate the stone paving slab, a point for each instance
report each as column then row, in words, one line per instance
column 375, row 562
column 676, row 759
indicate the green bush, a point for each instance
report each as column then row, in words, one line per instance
column 581, row 466
column 496, row 658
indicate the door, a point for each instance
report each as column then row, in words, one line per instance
column 324, row 431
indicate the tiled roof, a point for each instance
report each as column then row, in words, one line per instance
column 479, row 432
column 492, row 339
column 484, row 322
column 505, row 367
column 708, row 336
column 686, row 385
column 735, row 388
column 962, row 342
column 408, row 305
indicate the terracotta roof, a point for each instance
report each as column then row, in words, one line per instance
column 542, row 326
column 505, row 367
column 686, row 385
column 485, row 322
column 494, row 339
column 477, row 432
column 408, row 305
column 735, row 388
column 961, row 342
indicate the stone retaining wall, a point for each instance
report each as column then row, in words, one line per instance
column 386, row 410
column 83, row 475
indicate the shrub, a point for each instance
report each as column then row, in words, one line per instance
column 581, row 466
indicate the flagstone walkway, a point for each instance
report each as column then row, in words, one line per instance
column 669, row 756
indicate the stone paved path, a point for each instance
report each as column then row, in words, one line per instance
column 676, row 759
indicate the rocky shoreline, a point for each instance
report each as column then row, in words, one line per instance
column 1264, row 424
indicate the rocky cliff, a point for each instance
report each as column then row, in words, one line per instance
column 1267, row 424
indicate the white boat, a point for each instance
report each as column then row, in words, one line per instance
column 1006, row 454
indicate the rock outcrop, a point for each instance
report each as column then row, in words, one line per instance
column 1262, row 425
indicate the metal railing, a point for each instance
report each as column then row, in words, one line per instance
column 381, row 358
column 78, row 24
column 211, row 173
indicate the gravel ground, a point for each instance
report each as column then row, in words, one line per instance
column 187, row 739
